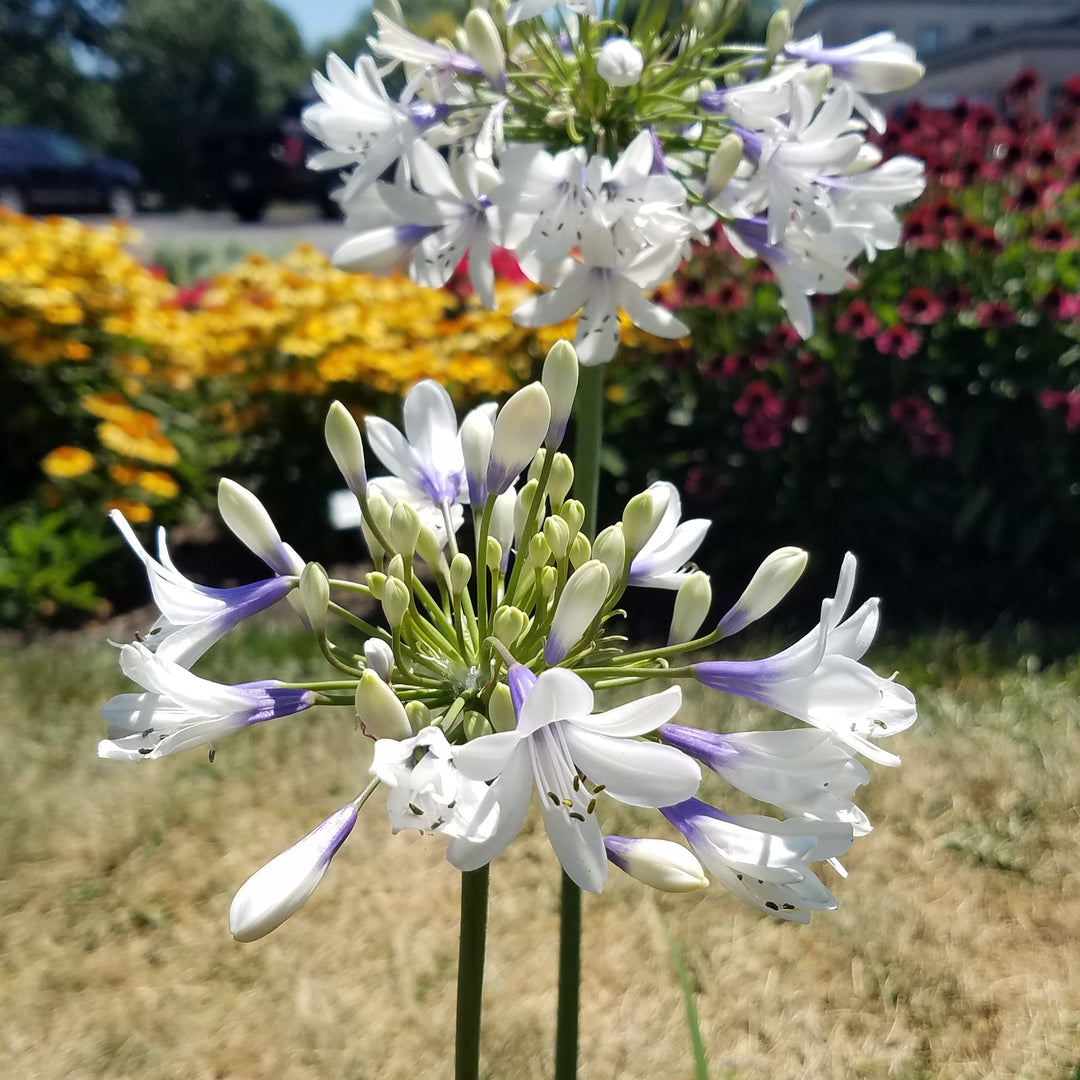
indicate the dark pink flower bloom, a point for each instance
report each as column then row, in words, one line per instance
column 899, row 341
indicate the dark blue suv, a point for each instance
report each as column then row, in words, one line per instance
column 42, row 171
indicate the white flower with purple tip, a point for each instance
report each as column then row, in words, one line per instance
column 661, row 562
column 562, row 747
column 278, row 889
column 181, row 710
column 194, row 617
column 762, row 860
column 819, row 679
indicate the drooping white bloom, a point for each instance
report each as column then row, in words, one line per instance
column 431, row 794
column 820, row 681
column 561, row 746
column 179, row 710
column 763, row 861
column 803, row 771
column 620, row 62
column 660, row 864
column 360, row 125
column 193, row 617
column 278, row 889
column 420, row 56
column 660, row 563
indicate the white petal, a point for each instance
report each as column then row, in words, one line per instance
column 579, row 845
column 392, row 449
column 635, row 717
column 487, row 756
column 559, row 694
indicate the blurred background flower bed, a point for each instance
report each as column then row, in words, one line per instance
column 933, row 420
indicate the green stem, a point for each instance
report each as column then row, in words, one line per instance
column 470, row 984
column 588, row 442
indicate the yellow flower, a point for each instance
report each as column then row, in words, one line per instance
column 136, row 512
column 158, row 483
column 77, row 350
column 67, row 461
column 124, row 474
column 139, row 437
column 108, row 406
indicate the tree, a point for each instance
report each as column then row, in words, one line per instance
column 187, row 66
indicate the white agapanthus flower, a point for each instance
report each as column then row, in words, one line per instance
column 661, row 562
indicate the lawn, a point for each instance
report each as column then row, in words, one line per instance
column 953, row 953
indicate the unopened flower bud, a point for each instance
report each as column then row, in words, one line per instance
column 379, row 710
column 620, row 62
column 548, row 578
column 723, row 163
column 379, row 657
column 509, row 624
column 536, row 466
column 493, row 555
column 772, row 581
column 395, row 602
column 777, row 35
column 525, row 499
column 573, row 513
column 640, row 519
column 579, row 605
column 817, row 77
column 419, row 715
column 560, row 379
column 404, row 529
column 277, row 891
column 460, row 573
column 661, row 864
column 485, row 46
column 703, row 14
column 580, row 550
column 557, row 534
column 474, row 724
column 252, row 526
column 502, row 524
column 346, row 447
column 561, row 479
column 793, row 8
column 520, row 428
column 427, row 547
column 477, row 431
column 376, row 582
column 501, row 709
column 539, row 552
column 692, row 603
column 395, row 568
column 315, row 597
column 379, row 510
column 610, row 548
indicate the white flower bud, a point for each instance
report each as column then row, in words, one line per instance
column 610, row 548
column 493, row 556
column 379, row 710
column 379, row 657
column 620, row 62
column 376, row 582
column 419, row 715
column 557, row 534
column 460, row 573
column 561, row 479
column 427, row 547
column 379, row 509
column 580, row 550
column 485, row 46
column 579, row 605
column 573, row 513
column 477, row 431
column 277, row 891
column 660, row 864
column 395, row 568
column 560, row 379
column 539, row 553
column 525, row 499
column 509, row 624
column 502, row 524
column 641, row 517
column 777, row 34
column 723, row 163
column 346, row 447
column 404, row 528
column 520, row 428
column 501, row 709
column 395, row 602
column 692, row 603
column 772, row 581
column 315, row 597
column 252, row 526
column 548, row 578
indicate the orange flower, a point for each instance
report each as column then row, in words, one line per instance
column 139, row 439
column 124, row 474
column 108, row 406
column 77, row 350
column 67, row 461
column 137, row 513
column 158, row 483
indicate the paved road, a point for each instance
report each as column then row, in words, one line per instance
column 283, row 228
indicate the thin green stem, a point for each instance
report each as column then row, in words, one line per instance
column 470, row 985
column 588, row 442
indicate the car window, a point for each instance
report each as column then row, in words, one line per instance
column 65, row 151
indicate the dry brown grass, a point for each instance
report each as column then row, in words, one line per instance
column 954, row 953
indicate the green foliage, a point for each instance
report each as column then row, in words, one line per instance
column 44, row 557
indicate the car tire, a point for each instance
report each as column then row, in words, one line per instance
column 12, row 199
column 122, row 202
column 250, row 206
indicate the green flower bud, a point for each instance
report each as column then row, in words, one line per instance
column 404, row 528
column 692, row 603
column 561, row 479
column 509, row 624
column 474, row 724
column 560, row 379
column 526, row 497
column 376, row 581
column 501, row 709
column 379, row 710
column 427, row 547
column 777, row 35
column 395, row 602
column 460, row 573
column 346, row 447
column 395, row 568
column 493, row 555
column 640, row 519
column 557, row 534
column 610, row 548
column 419, row 715
column 580, row 550
column 537, row 465
column 539, row 552
column 723, row 163
column 485, row 46
column 573, row 513
column 548, row 578
column 315, row 596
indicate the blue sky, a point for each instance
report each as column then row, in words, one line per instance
column 319, row 19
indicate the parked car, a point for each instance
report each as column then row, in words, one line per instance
column 246, row 166
column 43, row 171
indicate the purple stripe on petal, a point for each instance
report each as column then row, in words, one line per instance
column 712, row 750
column 424, row 113
column 521, row 681
column 270, row 701
column 618, row 847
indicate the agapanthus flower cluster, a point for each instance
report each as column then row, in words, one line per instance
column 477, row 673
column 599, row 150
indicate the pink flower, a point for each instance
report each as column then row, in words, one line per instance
column 921, row 306
column 1066, row 403
column 899, row 341
column 858, row 320
column 994, row 315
